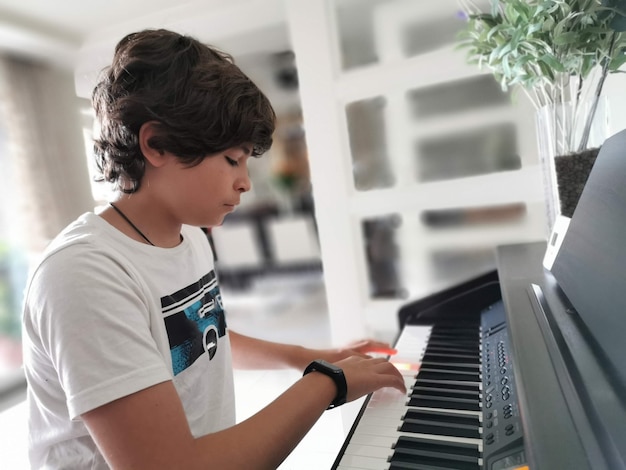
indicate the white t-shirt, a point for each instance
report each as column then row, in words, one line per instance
column 106, row 316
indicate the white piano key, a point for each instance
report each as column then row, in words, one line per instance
column 391, row 395
column 413, row 337
column 397, row 405
column 371, row 443
column 387, row 442
column 377, row 420
column 363, row 463
column 479, row 414
column 365, row 450
column 396, row 414
column 399, row 412
column 411, row 345
column 393, row 433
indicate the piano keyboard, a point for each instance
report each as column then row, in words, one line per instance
column 460, row 411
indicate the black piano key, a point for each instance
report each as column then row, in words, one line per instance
column 470, row 329
column 415, row 466
column 454, row 337
column 452, row 349
column 431, row 464
column 444, row 403
column 457, row 332
column 461, row 450
column 457, row 376
column 445, row 348
column 461, row 358
column 473, row 334
column 421, row 382
column 443, row 392
column 444, row 416
column 423, row 426
column 450, row 366
column 470, row 351
column 452, row 341
column 456, row 456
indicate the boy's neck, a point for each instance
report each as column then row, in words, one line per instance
column 142, row 223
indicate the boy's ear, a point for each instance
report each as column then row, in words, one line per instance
column 146, row 132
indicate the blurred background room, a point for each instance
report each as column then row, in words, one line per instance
column 397, row 167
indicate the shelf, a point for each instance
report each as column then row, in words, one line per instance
column 443, row 65
column 476, row 191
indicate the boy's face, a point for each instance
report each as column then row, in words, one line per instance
column 204, row 194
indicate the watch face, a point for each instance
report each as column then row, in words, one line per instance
column 330, row 366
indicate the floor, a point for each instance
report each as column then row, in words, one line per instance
column 287, row 309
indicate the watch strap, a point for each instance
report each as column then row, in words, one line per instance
column 336, row 374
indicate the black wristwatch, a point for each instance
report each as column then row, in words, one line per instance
column 335, row 373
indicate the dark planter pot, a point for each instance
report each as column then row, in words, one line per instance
column 572, row 172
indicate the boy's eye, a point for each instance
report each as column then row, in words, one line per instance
column 231, row 162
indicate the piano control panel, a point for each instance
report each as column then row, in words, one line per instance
column 502, row 430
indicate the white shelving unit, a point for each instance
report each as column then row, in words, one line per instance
column 371, row 74
column 427, row 257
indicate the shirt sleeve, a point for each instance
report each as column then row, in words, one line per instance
column 96, row 323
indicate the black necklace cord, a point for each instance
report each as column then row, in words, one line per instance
column 130, row 223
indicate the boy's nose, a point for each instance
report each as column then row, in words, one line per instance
column 244, row 184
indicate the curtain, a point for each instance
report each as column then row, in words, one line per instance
column 41, row 117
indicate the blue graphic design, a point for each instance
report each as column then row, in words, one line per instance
column 195, row 329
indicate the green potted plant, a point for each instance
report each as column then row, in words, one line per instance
column 559, row 52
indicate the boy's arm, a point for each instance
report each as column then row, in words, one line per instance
column 253, row 353
column 148, row 429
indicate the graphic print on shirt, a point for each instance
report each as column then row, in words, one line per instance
column 194, row 320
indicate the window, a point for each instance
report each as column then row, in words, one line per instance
column 13, row 274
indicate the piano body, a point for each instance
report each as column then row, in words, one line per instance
column 521, row 368
column 501, row 375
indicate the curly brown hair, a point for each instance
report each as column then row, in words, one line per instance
column 201, row 101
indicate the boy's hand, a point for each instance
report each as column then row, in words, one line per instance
column 362, row 348
column 370, row 346
column 366, row 375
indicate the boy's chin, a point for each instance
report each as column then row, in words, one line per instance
column 216, row 221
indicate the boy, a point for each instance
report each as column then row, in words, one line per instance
column 127, row 353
